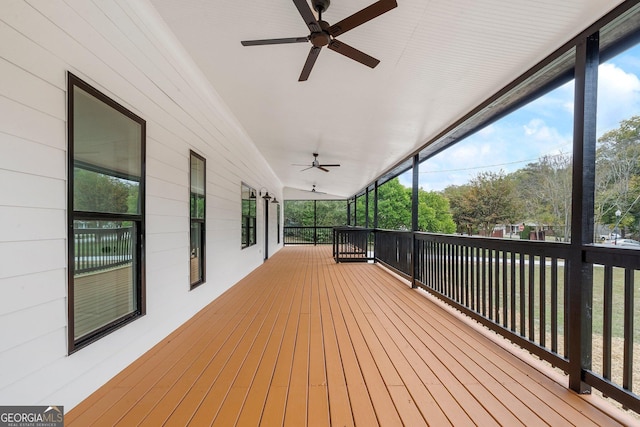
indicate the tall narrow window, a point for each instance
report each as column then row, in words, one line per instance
column 278, row 221
column 105, row 214
column 198, row 210
column 248, row 216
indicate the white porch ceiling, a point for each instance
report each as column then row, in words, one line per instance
column 438, row 60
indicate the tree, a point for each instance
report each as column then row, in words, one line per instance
column 394, row 206
column 490, row 198
column 617, row 171
column 545, row 191
column 434, row 214
column 461, row 208
column 96, row 192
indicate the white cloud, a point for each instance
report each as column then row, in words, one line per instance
column 487, row 131
column 618, row 96
column 540, row 128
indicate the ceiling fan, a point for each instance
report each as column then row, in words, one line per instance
column 323, row 34
column 313, row 190
column 316, row 164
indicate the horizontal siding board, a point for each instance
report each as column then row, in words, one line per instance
column 25, row 325
column 31, row 224
column 21, row 258
column 33, row 191
column 18, row 386
column 30, row 56
column 166, row 223
column 22, row 292
column 168, row 241
column 18, row 120
column 35, row 158
column 27, row 89
column 168, row 206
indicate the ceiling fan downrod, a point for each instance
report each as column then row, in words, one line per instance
column 321, row 6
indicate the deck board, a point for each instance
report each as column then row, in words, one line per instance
column 305, row 341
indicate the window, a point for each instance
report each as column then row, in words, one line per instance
column 278, row 221
column 198, row 208
column 106, row 214
column 248, row 216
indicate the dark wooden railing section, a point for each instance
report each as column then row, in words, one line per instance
column 615, row 271
column 308, row 235
column 520, row 289
column 102, row 248
column 353, row 244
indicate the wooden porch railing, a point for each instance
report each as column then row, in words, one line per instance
column 308, row 235
column 102, row 248
column 520, row 289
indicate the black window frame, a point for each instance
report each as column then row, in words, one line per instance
column 138, row 219
column 249, row 231
column 197, row 220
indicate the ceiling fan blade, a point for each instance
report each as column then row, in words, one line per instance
column 359, row 18
column 308, row 65
column 330, row 166
column 307, row 15
column 275, row 41
column 322, row 169
column 353, row 53
column 306, row 169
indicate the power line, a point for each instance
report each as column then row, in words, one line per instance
column 492, row 166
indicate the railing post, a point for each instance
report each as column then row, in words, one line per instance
column 315, row 222
column 375, row 220
column 583, row 180
column 414, row 218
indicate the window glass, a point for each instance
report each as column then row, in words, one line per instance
column 248, row 216
column 197, row 208
column 106, row 214
column 104, row 274
column 106, row 157
column 278, row 222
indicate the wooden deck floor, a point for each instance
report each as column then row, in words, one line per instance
column 305, row 341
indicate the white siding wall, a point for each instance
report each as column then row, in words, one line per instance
column 121, row 48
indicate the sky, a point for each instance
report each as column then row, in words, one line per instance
column 542, row 127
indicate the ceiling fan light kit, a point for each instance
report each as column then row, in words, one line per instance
column 322, row 34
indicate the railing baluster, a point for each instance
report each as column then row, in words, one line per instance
column 554, row 305
column 513, row 291
column 607, row 321
column 543, row 301
column 532, row 297
column 522, row 285
column 490, row 285
column 627, row 374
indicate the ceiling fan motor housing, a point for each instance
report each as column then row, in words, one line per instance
column 321, row 5
column 320, row 39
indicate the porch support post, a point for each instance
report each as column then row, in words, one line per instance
column 375, row 204
column 366, row 208
column 348, row 211
column 315, row 222
column 414, row 218
column 355, row 211
column 375, row 220
column 582, row 206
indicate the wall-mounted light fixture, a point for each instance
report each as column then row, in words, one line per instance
column 266, row 195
